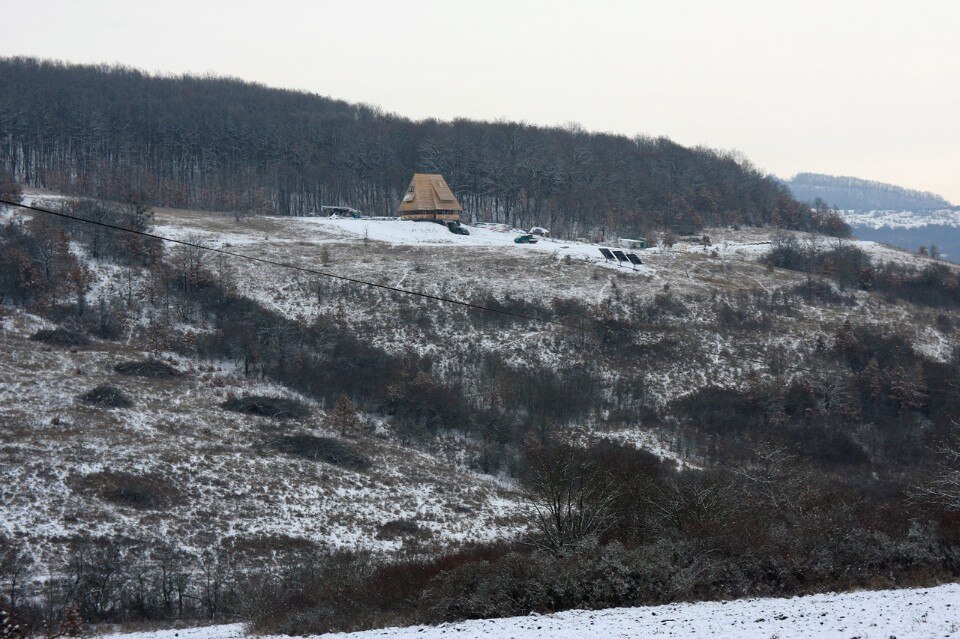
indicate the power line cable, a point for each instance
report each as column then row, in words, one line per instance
column 312, row 271
column 437, row 298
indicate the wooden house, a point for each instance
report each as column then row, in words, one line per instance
column 429, row 198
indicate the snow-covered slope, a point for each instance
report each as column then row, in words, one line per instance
column 320, row 230
column 903, row 219
column 909, row 230
column 854, row 193
column 229, row 486
column 904, row 614
column 221, row 458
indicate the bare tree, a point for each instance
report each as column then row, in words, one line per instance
column 572, row 497
column 943, row 485
column 189, row 263
column 79, row 279
column 9, row 189
column 14, row 570
column 695, row 505
column 774, row 477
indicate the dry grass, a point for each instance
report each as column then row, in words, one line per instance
column 231, row 481
column 60, row 461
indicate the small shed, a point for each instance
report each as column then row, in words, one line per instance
column 639, row 243
column 429, row 198
column 339, row 211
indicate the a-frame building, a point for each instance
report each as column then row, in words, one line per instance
column 429, row 198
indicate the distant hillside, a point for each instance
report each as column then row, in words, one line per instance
column 854, row 194
column 218, row 143
column 945, row 239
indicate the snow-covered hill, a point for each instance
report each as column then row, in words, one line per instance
column 231, row 487
column 226, row 484
column 909, row 230
column 853, row 193
column 903, row 219
column 904, row 614
column 213, row 444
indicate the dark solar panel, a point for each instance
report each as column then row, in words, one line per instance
column 620, row 256
column 607, row 254
column 634, row 259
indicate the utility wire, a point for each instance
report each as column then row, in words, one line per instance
column 437, row 298
column 304, row 269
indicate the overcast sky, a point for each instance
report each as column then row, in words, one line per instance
column 848, row 87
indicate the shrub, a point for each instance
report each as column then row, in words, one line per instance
column 107, row 396
column 142, row 492
column 400, row 528
column 9, row 189
column 60, row 337
column 844, row 263
column 149, row 368
column 277, row 407
column 786, row 252
column 264, row 546
column 722, row 411
column 320, row 594
column 817, row 290
column 322, row 449
column 937, row 285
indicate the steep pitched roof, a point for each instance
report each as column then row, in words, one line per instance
column 429, row 192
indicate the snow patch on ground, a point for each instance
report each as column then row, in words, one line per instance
column 652, row 442
column 902, row 219
column 916, row 613
column 402, row 232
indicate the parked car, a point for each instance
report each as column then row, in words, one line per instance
column 526, row 239
column 457, row 229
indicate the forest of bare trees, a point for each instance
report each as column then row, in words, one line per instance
column 219, row 143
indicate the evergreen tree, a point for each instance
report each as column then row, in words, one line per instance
column 344, row 416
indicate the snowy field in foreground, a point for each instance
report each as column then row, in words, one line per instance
column 904, row 614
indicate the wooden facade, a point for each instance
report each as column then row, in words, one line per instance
column 429, row 198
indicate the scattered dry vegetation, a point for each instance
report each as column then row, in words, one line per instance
column 106, row 396
column 314, row 415
column 146, row 368
column 140, row 492
column 324, row 449
column 276, row 407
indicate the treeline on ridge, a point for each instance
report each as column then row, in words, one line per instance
column 220, row 143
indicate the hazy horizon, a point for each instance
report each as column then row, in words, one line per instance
column 866, row 89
